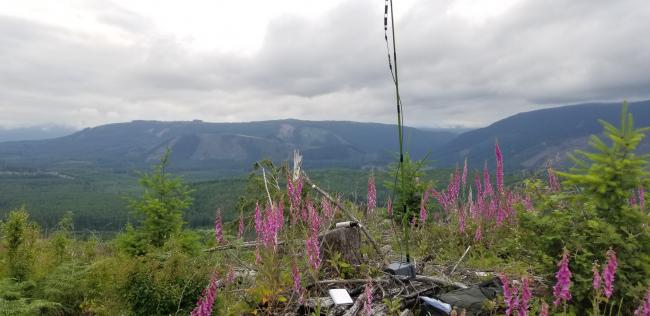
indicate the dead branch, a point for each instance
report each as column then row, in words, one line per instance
column 459, row 260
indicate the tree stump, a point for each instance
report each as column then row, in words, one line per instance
column 344, row 240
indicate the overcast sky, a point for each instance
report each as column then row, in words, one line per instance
column 462, row 62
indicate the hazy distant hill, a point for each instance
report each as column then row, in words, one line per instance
column 34, row 133
column 530, row 139
column 199, row 145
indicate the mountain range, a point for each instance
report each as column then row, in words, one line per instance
column 527, row 139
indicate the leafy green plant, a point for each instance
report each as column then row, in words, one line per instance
column 393, row 306
column 61, row 239
column 20, row 236
column 162, row 204
column 343, row 269
column 596, row 215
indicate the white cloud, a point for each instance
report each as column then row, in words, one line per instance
column 462, row 62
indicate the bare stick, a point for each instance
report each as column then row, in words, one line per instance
column 343, row 281
column 266, row 187
column 459, row 260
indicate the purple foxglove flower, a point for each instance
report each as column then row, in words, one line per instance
column 487, row 186
column 297, row 287
column 499, row 158
column 478, row 234
column 528, row 202
column 596, row 280
column 561, row 291
column 609, row 273
column 514, row 304
column 240, row 230
column 501, row 215
column 508, row 293
column 218, row 228
column 230, row 278
column 328, row 210
column 423, row 210
column 206, row 301
column 372, row 194
column 526, row 295
column 367, row 305
column 553, row 182
column 313, row 252
column 543, row 311
column 294, row 190
column 644, row 308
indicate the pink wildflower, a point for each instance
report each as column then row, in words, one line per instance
column 478, row 235
column 240, row 230
column 206, row 302
column 218, row 228
column 297, row 287
column 561, row 289
column 313, row 219
column 230, row 279
column 372, row 194
column 423, row 204
column 313, row 252
column 486, row 181
column 508, row 294
column 259, row 224
column 493, row 208
column 595, row 280
column 311, row 243
column 499, row 158
column 258, row 255
column 514, row 304
column 543, row 310
column 367, row 305
column 294, row 190
column 526, row 295
column 609, row 273
column 328, row 210
column 269, row 226
column 501, row 215
column 644, row 308
column 527, row 202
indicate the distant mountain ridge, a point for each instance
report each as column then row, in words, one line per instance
column 528, row 140
column 198, row 145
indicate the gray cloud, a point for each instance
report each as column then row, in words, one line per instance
column 452, row 72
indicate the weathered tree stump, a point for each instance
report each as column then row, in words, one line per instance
column 344, row 240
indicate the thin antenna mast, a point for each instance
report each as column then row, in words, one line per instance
column 400, row 111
